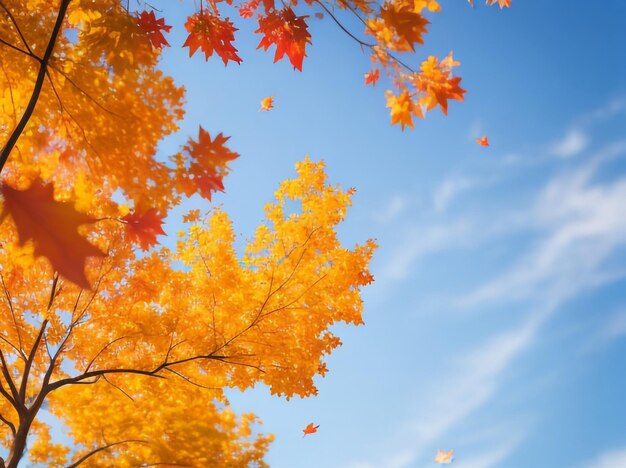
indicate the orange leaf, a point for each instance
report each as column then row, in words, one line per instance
column 436, row 82
column 211, row 34
column 207, row 166
column 502, row 3
column 372, row 76
column 53, row 228
column 310, row 429
column 444, row 457
column 287, row 32
column 144, row 229
column 192, row 216
column 152, row 27
column 482, row 141
column 267, row 103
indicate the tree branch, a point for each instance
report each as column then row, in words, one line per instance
column 30, row 108
column 105, row 447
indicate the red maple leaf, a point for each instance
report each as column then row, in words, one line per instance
column 310, row 429
column 53, row 228
column 247, row 9
column 287, row 32
column 152, row 27
column 210, row 34
column 482, row 141
column 143, row 229
column 372, row 76
column 207, row 164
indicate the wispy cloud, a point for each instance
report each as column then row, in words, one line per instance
column 572, row 231
column 394, row 208
column 573, row 143
column 610, row 459
column 449, row 189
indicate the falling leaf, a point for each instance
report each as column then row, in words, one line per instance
column 143, row 229
column 310, row 429
column 444, row 457
column 211, row 34
column 483, row 141
column 53, row 228
column 152, row 26
column 372, row 76
column 319, row 15
column 471, row 2
column 267, row 103
column 207, row 165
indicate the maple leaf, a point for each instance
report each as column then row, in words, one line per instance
column 192, row 216
column 143, row 229
column 310, row 429
column 267, row 103
column 53, row 228
column 319, row 15
column 247, row 9
column 372, row 76
column 402, row 109
column 444, row 457
column 436, row 82
column 482, row 141
column 208, row 164
column 211, row 34
column 152, row 26
column 399, row 27
column 287, row 32
column 502, row 3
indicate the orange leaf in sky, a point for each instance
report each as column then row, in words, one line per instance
column 310, row 429
column 53, row 228
column 267, row 103
column 483, row 141
column 211, row 34
column 152, row 26
column 372, row 76
column 208, row 164
column 287, row 32
column 143, row 229
column 444, row 457
column 502, row 3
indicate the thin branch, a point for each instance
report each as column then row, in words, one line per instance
column 104, row 447
column 10, row 302
column 30, row 108
column 184, row 377
column 9, row 424
column 14, row 47
column 17, row 26
column 117, row 387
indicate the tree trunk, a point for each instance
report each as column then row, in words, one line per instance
column 19, row 442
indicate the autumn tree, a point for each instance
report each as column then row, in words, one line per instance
column 128, row 342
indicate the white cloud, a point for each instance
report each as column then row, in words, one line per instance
column 582, row 231
column 610, row 459
column 449, row 190
column 573, row 143
column 396, row 206
column 419, row 242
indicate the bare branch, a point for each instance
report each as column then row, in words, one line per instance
column 8, row 423
column 104, row 447
column 30, row 108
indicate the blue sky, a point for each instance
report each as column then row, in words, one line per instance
column 497, row 322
